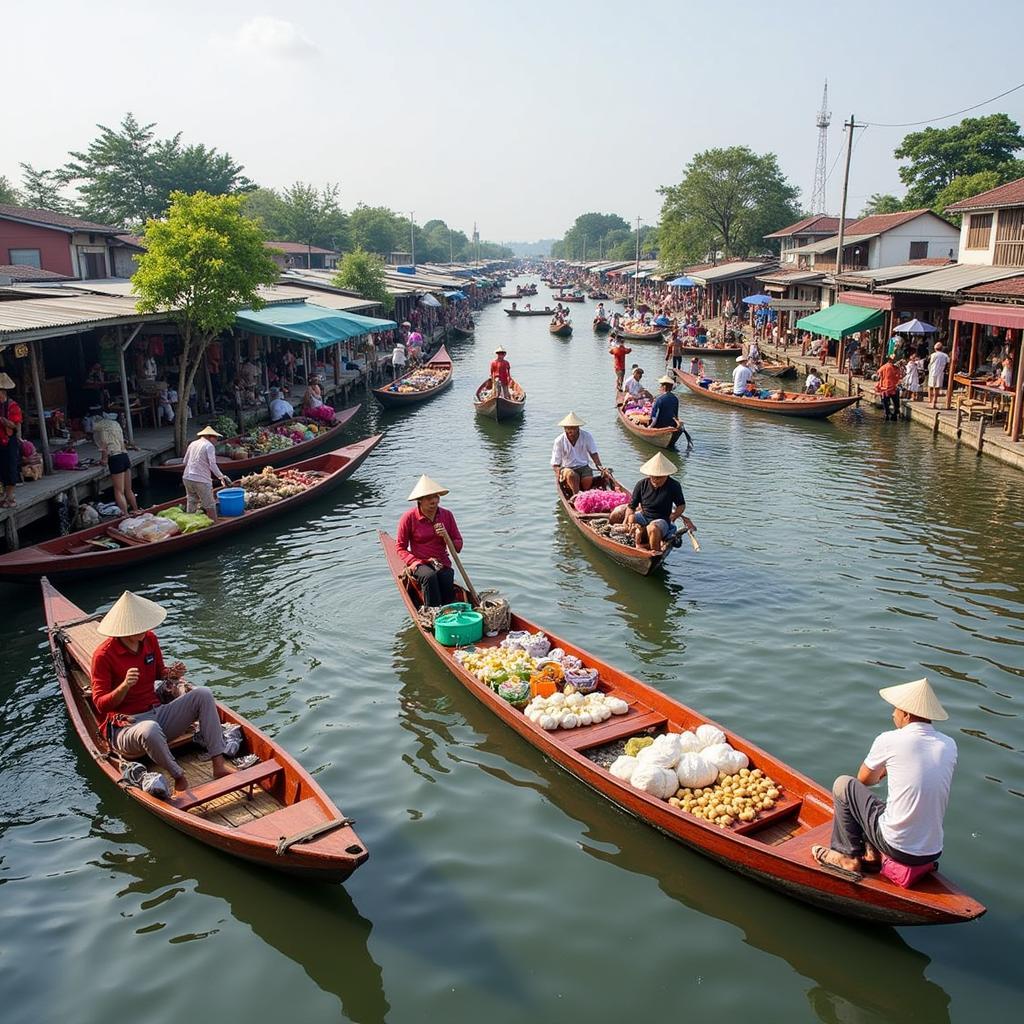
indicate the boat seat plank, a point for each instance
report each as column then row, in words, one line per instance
column 789, row 805
column 123, row 538
column 615, row 728
column 819, row 835
column 229, row 783
column 287, row 821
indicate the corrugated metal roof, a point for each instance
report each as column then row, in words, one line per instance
column 829, row 244
column 950, row 280
column 66, row 315
column 883, row 274
column 285, row 292
column 729, row 271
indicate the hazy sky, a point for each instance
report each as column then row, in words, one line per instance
column 517, row 115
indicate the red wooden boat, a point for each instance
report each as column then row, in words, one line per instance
column 792, row 404
column 774, row 848
column 175, row 467
column 776, row 370
column 273, row 814
column 638, row 559
column 570, row 297
column 497, row 407
column 655, row 334
column 660, row 437
column 394, row 399
column 86, row 550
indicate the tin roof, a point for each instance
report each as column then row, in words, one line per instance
column 51, row 219
column 952, row 279
column 70, row 314
column 730, row 271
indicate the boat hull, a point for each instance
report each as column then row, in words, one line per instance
column 602, row 326
column 657, row 336
column 561, row 331
column 809, row 407
column 395, row 400
column 660, row 437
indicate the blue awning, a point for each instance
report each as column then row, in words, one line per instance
column 683, row 282
column 305, row 321
column 455, row 296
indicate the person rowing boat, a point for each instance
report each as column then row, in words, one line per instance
column 656, row 503
column 422, row 542
column 572, row 453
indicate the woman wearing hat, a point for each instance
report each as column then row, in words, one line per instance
column 10, row 443
column 200, row 469
column 655, row 505
column 125, row 669
column 108, row 436
column 422, row 538
column 501, row 373
column 918, row 762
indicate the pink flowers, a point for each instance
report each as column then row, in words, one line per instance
column 599, row 501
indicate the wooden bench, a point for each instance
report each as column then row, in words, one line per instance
column 616, row 728
column 227, row 784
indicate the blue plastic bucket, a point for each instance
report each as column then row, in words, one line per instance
column 230, row 501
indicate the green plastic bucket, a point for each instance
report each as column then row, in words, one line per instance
column 458, row 625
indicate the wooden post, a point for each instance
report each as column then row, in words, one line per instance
column 37, row 392
column 952, row 363
column 973, row 362
column 209, row 388
column 981, row 434
column 124, row 387
column 1018, row 395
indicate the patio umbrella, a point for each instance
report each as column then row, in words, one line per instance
column 683, row 282
column 757, row 300
column 429, row 300
column 915, row 327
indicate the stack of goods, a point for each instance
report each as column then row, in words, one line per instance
column 598, row 500
column 536, row 644
column 272, row 485
column 187, row 522
column 639, row 327
column 638, row 411
column 147, row 527
column 265, row 440
column 700, row 773
column 573, row 710
column 496, row 665
column 418, row 380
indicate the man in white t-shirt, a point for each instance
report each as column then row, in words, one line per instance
column 741, row 376
column 918, row 762
column 279, row 408
column 813, row 382
column 572, row 453
column 634, row 385
column 937, row 363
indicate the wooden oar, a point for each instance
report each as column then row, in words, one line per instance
column 455, row 558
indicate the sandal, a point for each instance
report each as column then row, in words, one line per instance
column 820, row 855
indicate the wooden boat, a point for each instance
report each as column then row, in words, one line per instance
column 496, row 407
column 655, row 334
column 102, row 547
column 637, row 559
column 777, row 370
column 546, row 311
column 394, row 399
column 570, row 298
column 602, row 325
column 562, row 330
column 597, row 296
column 273, row 814
column 792, row 404
column 660, row 437
column 732, row 351
column 774, row 848
column 175, row 467
column 462, row 332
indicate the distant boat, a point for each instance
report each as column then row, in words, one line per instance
column 561, row 328
column 495, row 406
column 546, row 311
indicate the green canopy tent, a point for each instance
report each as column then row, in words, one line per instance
column 841, row 320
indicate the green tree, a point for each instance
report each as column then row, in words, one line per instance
column 8, row 193
column 196, row 168
column 881, row 202
column 936, row 156
column 266, row 206
column 362, row 272
column 378, row 229
column 40, row 189
column 728, row 200
column 312, row 216
column 964, row 187
column 204, row 263
column 589, row 233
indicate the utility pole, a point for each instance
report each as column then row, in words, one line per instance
column 636, row 283
column 412, row 235
column 451, row 248
column 850, row 125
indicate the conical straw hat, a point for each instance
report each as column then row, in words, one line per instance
column 6, row 383
column 916, row 698
column 666, row 380
column 657, row 465
column 572, row 420
column 130, row 615
column 425, row 487
column 208, row 432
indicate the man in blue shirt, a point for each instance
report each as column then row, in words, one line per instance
column 665, row 410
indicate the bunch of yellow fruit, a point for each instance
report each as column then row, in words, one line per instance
column 739, row 797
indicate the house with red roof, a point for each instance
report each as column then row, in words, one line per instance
column 298, row 255
column 803, row 232
column 992, row 231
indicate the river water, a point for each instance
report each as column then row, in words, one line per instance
column 837, row 558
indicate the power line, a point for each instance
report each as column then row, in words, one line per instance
column 945, row 117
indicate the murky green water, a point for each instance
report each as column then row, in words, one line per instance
column 836, row 558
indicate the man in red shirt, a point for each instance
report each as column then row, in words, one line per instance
column 888, row 388
column 619, row 353
column 422, row 538
column 10, row 443
column 501, row 373
column 125, row 669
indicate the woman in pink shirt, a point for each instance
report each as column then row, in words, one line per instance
column 200, row 469
column 421, row 542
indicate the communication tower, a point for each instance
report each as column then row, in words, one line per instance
column 824, row 120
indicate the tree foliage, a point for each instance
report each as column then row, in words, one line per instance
column 126, row 175
column 313, row 216
column 589, row 236
column 363, row 272
column 935, row 156
column 8, row 193
column 881, row 202
column 40, row 190
column 728, row 200
column 965, row 187
column 204, row 262
column 378, row 229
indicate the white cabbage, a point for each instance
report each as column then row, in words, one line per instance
column 694, row 772
column 654, row 780
column 709, row 735
column 623, row 767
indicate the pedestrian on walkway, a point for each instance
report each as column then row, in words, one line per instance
column 937, row 363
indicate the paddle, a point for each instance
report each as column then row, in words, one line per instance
column 455, row 558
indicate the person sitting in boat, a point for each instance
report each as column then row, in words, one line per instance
column 279, row 408
column 619, row 351
column 918, row 761
column 697, row 367
column 572, row 453
column 125, row 668
column 600, row 313
column 813, row 381
column 421, row 540
column 200, row 467
column 313, row 402
column 633, row 386
column 656, row 503
column 665, row 408
column 741, row 376
column 501, row 373
column 514, row 305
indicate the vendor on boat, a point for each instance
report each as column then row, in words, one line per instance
column 398, row 359
column 313, row 401
column 422, row 538
column 200, row 469
column 665, row 409
column 619, row 351
column 697, row 367
column 655, row 505
column 741, row 376
column 572, row 453
column 10, row 442
column 501, row 373
column 125, row 669
column 279, row 408
column 600, row 313
column 918, row 762
column 813, row 381
column 634, row 388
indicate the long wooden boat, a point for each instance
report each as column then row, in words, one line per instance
column 93, row 550
column 462, row 332
column 175, row 467
column 777, row 370
column 774, row 848
column 660, row 437
column 598, row 296
column 657, row 334
column 546, row 311
column 394, row 399
column 792, row 404
column 570, row 298
column 497, row 407
column 730, row 351
column 602, row 325
column 273, row 814
column 562, row 330
column 637, row 559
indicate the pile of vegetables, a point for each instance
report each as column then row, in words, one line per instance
column 418, row 380
column 697, row 772
column 270, row 486
column 494, row 665
column 264, row 440
column 568, row 711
